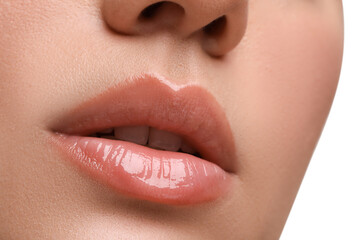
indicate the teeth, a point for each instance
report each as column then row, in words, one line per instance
column 164, row 140
column 135, row 134
column 144, row 135
column 186, row 148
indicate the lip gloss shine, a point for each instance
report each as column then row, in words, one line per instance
column 145, row 173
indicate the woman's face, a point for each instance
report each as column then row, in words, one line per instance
column 271, row 66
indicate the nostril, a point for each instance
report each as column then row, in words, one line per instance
column 150, row 11
column 216, row 27
column 164, row 14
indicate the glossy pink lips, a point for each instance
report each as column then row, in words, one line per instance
column 145, row 173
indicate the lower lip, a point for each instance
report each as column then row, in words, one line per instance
column 159, row 176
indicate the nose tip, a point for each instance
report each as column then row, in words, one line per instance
column 221, row 24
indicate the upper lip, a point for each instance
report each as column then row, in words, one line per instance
column 189, row 111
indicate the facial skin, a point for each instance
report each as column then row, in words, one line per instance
column 274, row 71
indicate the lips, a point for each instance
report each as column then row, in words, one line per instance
column 189, row 112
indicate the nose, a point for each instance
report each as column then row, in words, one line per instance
column 220, row 24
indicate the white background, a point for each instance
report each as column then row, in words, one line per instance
column 328, row 203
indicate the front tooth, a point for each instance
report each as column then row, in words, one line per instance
column 135, row 134
column 164, row 140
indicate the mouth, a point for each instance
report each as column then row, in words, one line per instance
column 150, row 139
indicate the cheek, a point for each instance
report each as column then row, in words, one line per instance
column 289, row 65
column 292, row 70
column 295, row 74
